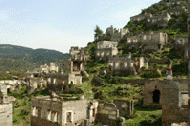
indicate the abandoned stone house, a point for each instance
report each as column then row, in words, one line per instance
column 153, row 93
column 172, row 96
column 39, row 81
column 35, row 81
column 150, row 40
column 115, row 34
column 55, row 111
column 6, row 107
column 51, row 68
column 141, row 17
column 11, row 84
column 114, row 114
column 112, row 34
column 77, row 53
column 106, row 49
column 125, row 65
column 159, row 20
column 76, row 65
column 56, row 79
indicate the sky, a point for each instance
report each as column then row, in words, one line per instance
column 60, row 24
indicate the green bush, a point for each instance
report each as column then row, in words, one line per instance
column 150, row 74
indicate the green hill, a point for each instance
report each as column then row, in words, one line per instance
column 16, row 58
column 177, row 10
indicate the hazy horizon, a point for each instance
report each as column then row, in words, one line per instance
column 59, row 24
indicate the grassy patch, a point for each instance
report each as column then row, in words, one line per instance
column 145, row 117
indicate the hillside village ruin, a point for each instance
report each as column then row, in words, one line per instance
column 169, row 94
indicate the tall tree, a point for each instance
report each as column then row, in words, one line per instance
column 98, row 32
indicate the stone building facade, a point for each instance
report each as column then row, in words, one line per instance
column 51, row 68
column 106, row 49
column 175, row 103
column 36, row 81
column 150, row 40
column 77, row 53
column 76, row 65
column 112, row 34
column 141, row 17
column 172, row 96
column 52, row 111
column 6, row 107
column 114, row 114
column 160, row 20
column 11, row 84
column 55, row 111
column 153, row 91
column 115, row 34
column 125, row 65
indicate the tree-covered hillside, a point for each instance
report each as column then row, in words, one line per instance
column 16, row 58
column 177, row 9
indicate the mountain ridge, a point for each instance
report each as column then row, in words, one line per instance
column 15, row 57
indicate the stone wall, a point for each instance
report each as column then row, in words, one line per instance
column 149, row 88
column 126, row 108
column 78, row 110
column 77, row 53
column 35, row 121
column 121, row 66
column 173, row 110
column 150, row 40
column 54, row 111
column 6, row 114
column 106, row 49
column 108, row 114
column 75, row 79
column 151, row 85
column 105, row 54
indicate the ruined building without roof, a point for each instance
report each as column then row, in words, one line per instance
column 106, row 49
column 77, row 60
column 6, row 107
column 160, row 20
column 55, row 111
column 150, row 40
column 51, row 68
column 52, row 111
column 170, row 95
column 112, row 34
column 126, row 65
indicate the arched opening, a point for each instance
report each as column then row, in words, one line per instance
column 156, row 96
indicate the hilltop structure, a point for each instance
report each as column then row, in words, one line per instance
column 112, row 34
column 160, row 20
